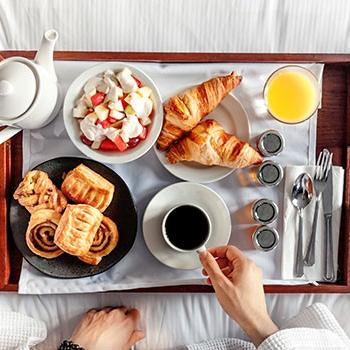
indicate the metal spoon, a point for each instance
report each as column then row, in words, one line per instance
column 302, row 193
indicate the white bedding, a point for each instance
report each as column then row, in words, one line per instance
column 177, row 25
column 170, row 320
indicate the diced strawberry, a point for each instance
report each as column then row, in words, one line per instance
column 134, row 142
column 105, row 123
column 111, row 120
column 143, row 135
column 121, row 145
column 138, row 82
column 125, row 104
column 98, row 98
column 108, row 145
column 88, row 111
column 85, row 140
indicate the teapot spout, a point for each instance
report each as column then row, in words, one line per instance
column 44, row 56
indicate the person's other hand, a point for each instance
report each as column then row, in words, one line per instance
column 238, row 285
column 108, row 329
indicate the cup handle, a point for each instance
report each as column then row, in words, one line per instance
column 201, row 249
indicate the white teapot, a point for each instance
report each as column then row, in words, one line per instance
column 29, row 91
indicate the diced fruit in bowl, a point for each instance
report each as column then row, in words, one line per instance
column 115, row 111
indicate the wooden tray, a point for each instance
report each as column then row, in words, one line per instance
column 333, row 132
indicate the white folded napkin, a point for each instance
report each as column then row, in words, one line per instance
column 290, row 225
column 18, row 331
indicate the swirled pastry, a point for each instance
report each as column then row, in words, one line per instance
column 209, row 144
column 83, row 185
column 77, row 228
column 104, row 242
column 37, row 191
column 41, row 232
column 184, row 112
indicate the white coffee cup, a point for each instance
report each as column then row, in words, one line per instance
column 201, row 247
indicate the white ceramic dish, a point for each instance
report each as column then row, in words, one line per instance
column 233, row 117
column 178, row 194
column 72, row 127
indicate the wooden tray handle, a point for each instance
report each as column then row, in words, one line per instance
column 4, row 180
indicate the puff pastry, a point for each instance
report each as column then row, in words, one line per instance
column 209, row 144
column 41, row 232
column 83, row 185
column 77, row 228
column 37, row 191
column 105, row 240
column 184, row 112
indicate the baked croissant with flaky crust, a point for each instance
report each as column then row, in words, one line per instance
column 184, row 112
column 209, row 144
column 37, row 191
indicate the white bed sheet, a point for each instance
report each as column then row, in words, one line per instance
column 170, row 320
column 177, row 25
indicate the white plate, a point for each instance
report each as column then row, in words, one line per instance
column 76, row 89
column 177, row 194
column 233, row 117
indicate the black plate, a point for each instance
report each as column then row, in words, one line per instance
column 121, row 210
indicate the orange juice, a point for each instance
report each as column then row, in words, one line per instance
column 292, row 94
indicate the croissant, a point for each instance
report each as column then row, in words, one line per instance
column 37, row 191
column 41, row 231
column 184, row 112
column 209, row 144
column 104, row 242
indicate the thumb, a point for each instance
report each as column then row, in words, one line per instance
column 136, row 336
column 211, row 266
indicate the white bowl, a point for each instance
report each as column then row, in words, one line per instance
column 76, row 90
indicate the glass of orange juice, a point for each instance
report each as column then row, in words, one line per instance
column 292, row 94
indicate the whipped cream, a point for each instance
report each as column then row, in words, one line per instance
column 131, row 128
column 126, row 81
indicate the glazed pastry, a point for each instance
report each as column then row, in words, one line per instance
column 77, row 228
column 184, row 112
column 209, row 144
column 105, row 241
column 37, row 191
column 41, row 231
column 83, row 185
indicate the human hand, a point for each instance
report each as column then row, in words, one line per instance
column 108, row 329
column 238, row 285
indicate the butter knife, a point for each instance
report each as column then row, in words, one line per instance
column 327, row 201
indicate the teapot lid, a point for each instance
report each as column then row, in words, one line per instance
column 17, row 89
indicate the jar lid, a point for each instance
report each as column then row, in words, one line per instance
column 270, row 173
column 271, row 143
column 265, row 238
column 264, row 211
column 17, row 89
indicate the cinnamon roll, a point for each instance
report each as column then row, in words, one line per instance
column 41, row 232
column 104, row 242
column 37, row 191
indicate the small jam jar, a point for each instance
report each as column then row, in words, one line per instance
column 271, row 143
column 270, row 173
column 265, row 238
column 264, row 211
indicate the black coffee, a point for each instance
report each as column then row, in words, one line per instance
column 187, row 227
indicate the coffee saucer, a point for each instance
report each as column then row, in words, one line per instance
column 179, row 194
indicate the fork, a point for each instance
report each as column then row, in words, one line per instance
column 323, row 165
